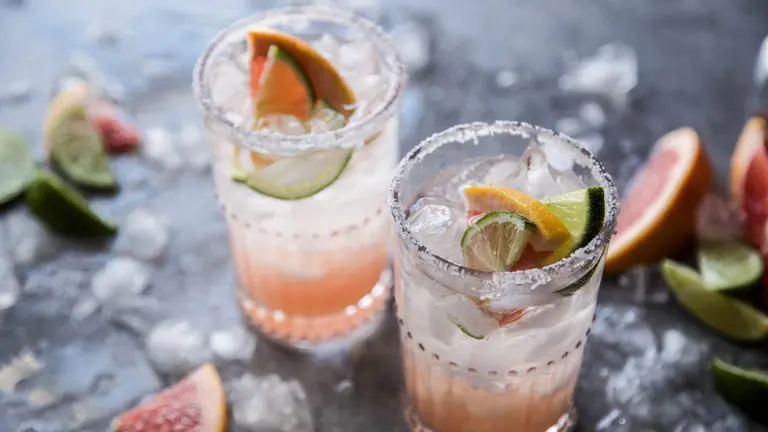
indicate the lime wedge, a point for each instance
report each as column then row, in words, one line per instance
column 729, row 266
column 63, row 210
column 16, row 165
column 582, row 212
column 495, row 241
column 283, row 87
column 743, row 388
column 74, row 143
column 298, row 177
column 732, row 318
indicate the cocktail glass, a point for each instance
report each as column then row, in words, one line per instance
column 310, row 270
column 463, row 370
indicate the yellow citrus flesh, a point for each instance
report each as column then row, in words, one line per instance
column 484, row 199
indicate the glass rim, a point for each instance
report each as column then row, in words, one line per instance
column 276, row 143
column 471, row 132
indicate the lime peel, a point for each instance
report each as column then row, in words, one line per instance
column 16, row 165
column 744, row 388
column 729, row 266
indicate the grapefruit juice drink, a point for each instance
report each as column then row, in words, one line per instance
column 301, row 106
column 502, row 231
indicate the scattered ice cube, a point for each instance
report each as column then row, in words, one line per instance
column 194, row 148
column 100, row 32
column 9, row 286
column 624, row 330
column 344, row 387
column 121, row 276
column 20, row 368
column 592, row 114
column 717, row 219
column 160, row 148
column 29, row 241
column 270, row 404
column 608, row 420
column 53, row 280
column 412, row 41
column 570, row 126
column 611, row 72
column 144, row 235
column 506, row 78
column 175, row 347
column 134, row 313
column 41, row 397
column 17, row 91
column 234, row 343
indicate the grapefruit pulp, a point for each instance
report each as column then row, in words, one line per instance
column 194, row 404
column 658, row 214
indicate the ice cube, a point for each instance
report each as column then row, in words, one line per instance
column 592, row 114
column 611, row 72
column 357, row 58
column 160, row 148
column 440, row 228
column 327, row 45
column 228, row 87
column 134, row 313
column 144, row 235
column 608, row 420
column 176, row 348
column 18, row 369
column 121, row 276
column 568, row 182
column 196, row 151
column 466, row 314
column 539, row 179
column 282, row 124
column 717, row 219
column 270, row 404
column 412, row 41
column 344, row 387
column 234, row 343
column 506, row 78
column 17, row 91
column 29, row 241
column 9, row 286
column 679, row 351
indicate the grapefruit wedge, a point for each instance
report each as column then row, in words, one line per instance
column 194, row 404
column 658, row 214
column 323, row 78
column 749, row 186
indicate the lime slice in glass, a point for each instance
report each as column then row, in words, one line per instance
column 733, row 318
column 63, row 210
column 74, row 144
column 729, row 266
column 743, row 388
column 495, row 241
column 582, row 212
column 16, row 165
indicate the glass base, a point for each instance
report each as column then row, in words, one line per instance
column 566, row 423
column 323, row 332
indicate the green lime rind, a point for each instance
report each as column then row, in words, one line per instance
column 730, row 317
column 729, row 266
column 582, row 212
column 63, row 210
column 16, row 165
column 743, row 388
column 468, row 333
column 495, row 241
column 300, row 177
column 580, row 283
column 74, row 145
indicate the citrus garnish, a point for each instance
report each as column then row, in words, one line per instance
column 283, row 88
column 582, row 212
column 729, row 265
column 658, row 214
column 63, row 210
column 73, row 142
column 16, row 165
column 551, row 233
column 743, row 388
column 495, row 241
column 195, row 404
column 324, row 80
column 731, row 317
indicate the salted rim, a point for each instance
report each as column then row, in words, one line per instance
column 469, row 134
column 275, row 143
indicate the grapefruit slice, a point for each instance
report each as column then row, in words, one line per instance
column 282, row 87
column 117, row 134
column 658, row 215
column 194, row 404
column 551, row 235
column 325, row 81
